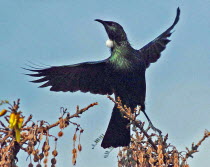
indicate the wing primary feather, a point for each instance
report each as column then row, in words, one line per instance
column 152, row 51
column 45, row 85
column 176, row 19
column 35, row 75
column 85, row 77
column 40, row 80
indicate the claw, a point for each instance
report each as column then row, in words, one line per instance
column 151, row 125
column 154, row 128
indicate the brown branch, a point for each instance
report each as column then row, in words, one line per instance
column 31, row 135
column 194, row 148
column 68, row 117
column 135, row 122
column 28, row 120
column 78, row 112
column 2, row 124
column 145, row 133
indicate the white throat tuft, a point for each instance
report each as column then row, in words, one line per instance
column 109, row 43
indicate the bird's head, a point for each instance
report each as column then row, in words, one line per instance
column 115, row 31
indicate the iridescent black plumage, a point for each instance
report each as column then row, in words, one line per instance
column 123, row 74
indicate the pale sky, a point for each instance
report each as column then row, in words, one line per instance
column 58, row 32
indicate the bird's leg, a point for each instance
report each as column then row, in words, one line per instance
column 151, row 125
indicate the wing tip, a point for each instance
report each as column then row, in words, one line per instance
column 178, row 11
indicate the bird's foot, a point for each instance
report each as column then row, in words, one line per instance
column 154, row 128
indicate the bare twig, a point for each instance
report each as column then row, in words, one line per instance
column 32, row 134
column 149, row 149
column 194, row 148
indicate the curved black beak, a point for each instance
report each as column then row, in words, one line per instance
column 100, row 21
column 105, row 26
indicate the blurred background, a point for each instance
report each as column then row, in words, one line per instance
column 62, row 32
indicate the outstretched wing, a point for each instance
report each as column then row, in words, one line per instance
column 152, row 51
column 86, row 77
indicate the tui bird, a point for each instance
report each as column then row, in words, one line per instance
column 123, row 74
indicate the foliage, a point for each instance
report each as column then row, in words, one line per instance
column 147, row 149
column 34, row 138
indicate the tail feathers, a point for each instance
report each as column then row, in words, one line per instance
column 117, row 133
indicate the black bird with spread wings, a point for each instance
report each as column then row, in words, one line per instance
column 122, row 74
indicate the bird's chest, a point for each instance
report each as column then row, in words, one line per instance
column 126, row 70
column 119, row 61
column 127, row 75
column 128, row 80
column 129, row 85
column 132, row 91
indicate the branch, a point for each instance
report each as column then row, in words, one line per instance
column 30, row 135
column 194, row 148
column 133, row 120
